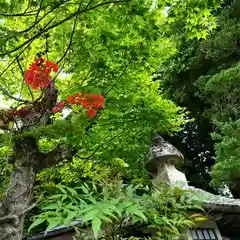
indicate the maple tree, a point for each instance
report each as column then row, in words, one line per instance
column 96, row 101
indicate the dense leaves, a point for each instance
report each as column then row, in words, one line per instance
column 204, row 78
column 98, row 57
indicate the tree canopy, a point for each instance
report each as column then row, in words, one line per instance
column 80, row 93
column 203, row 77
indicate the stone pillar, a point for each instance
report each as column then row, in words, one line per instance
column 162, row 159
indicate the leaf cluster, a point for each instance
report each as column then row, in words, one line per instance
column 112, row 209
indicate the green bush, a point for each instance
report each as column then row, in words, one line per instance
column 112, row 208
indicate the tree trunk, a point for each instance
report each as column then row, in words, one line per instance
column 28, row 161
column 20, row 191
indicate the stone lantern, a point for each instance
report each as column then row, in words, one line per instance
column 162, row 161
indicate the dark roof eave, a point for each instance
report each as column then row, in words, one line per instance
column 217, row 202
column 213, row 207
column 49, row 234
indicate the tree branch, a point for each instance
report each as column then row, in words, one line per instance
column 15, row 217
column 39, row 10
column 36, row 22
column 9, row 218
column 23, row 14
column 40, row 19
column 45, row 29
column 60, row 22
column 93, row 122
column 61, row 152
column 22, row 72
column 16, row 57
column 11, row 63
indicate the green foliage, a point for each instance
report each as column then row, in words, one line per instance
column 226, row 169
column 114, row 51
column 194, row 16
column 80, row 171
column 204, row 78
column 112, row 48
column 110, row 209
column 221, row 90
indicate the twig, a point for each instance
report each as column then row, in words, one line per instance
column 85, row 78
column 97, row 148
column 40, row 96
column 11, row 63
column 32, row 124
column 123, row 71
column 39, row 20
column 12, row 97
column 33, row 25
column 4, row 82
column 21, row 69
column 119, row 78
column 23, row 14
column 27, row 7
column 30, row 207
column 53, row 80
column 70, row 41
column 107, row 92
column 89, row 3
column 39, row 10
